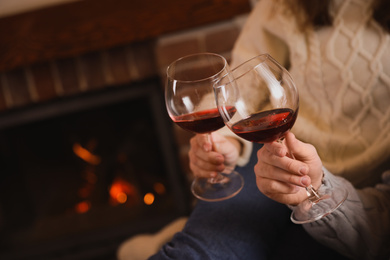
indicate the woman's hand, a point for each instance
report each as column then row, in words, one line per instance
column 209, row 157
column 282, row 178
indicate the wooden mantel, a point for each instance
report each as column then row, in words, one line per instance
column 90, row 25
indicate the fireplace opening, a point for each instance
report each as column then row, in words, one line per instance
column 80, row 175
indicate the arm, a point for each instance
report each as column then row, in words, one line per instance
column 360, row 228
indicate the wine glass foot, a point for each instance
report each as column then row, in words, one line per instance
column 227, row 186
column 312, row 210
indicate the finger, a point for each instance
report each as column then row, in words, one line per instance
column 276, row 148
column 207, row 161
column 198, row 172
column 204, row 169
column 285, row 163
column 286, row 194
column 204, row 141
column 196, row 153
column 217, row 141
column 272, row 172
column 300, row 150
column 205, row 166
column 271, row 187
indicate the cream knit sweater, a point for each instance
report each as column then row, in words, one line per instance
column 343, row 76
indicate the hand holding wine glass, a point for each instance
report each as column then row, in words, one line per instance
column 265, row 101
column 282, row 178
column 207, row 159
column 190, row 102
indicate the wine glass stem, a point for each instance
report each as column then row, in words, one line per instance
column 312, row 193
column 219, row 178
column 210, row 140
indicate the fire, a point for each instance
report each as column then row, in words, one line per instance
column 159, row 188
column 83, row 206
column 149, row 198
column 121, row 191
column 85, row 154
column 121, row 197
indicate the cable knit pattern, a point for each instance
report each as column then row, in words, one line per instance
column 345, row 90
column 342, row 73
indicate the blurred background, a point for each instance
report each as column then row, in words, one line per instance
column 88, row 155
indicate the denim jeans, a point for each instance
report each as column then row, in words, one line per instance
column 247, row 226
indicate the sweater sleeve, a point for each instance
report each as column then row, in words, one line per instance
column 360, row 228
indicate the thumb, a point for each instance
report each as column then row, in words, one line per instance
column 219, row 142
column 307, row 154
column 292, row 145
column 204, row 141
column 298, row 149
column 226, row 148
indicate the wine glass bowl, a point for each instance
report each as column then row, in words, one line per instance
column 265, row 102
column 191, row 104
column 265, row 99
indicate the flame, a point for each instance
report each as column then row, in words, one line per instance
column 83, row 206
column 121, row 197
column 149, row 198
column 85, row 154
column 159, row 188
column 120, row 191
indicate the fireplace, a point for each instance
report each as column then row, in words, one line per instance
column 81, row 174
column 88, row 156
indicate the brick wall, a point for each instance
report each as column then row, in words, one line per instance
column 47, row 81
column 66, row 77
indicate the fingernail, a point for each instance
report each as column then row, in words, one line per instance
column 206, row 148
column 303, row 170
column 220, row 168
column 279, row 152
column 305, row 181
column 220, row 157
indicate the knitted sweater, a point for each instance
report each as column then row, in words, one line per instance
column 342, row 73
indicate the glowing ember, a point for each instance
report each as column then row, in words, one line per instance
column 149, row 198
column 159, row 188
column 121, row 197
column 83, row 206
column 121, row 190
column 85, row 154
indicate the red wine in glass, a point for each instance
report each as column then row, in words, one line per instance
column 190, row 102
column 267, row 103
column 266, row 126
column 205, row 121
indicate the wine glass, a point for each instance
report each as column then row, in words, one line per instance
column 265, row 102
column 190, row 101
